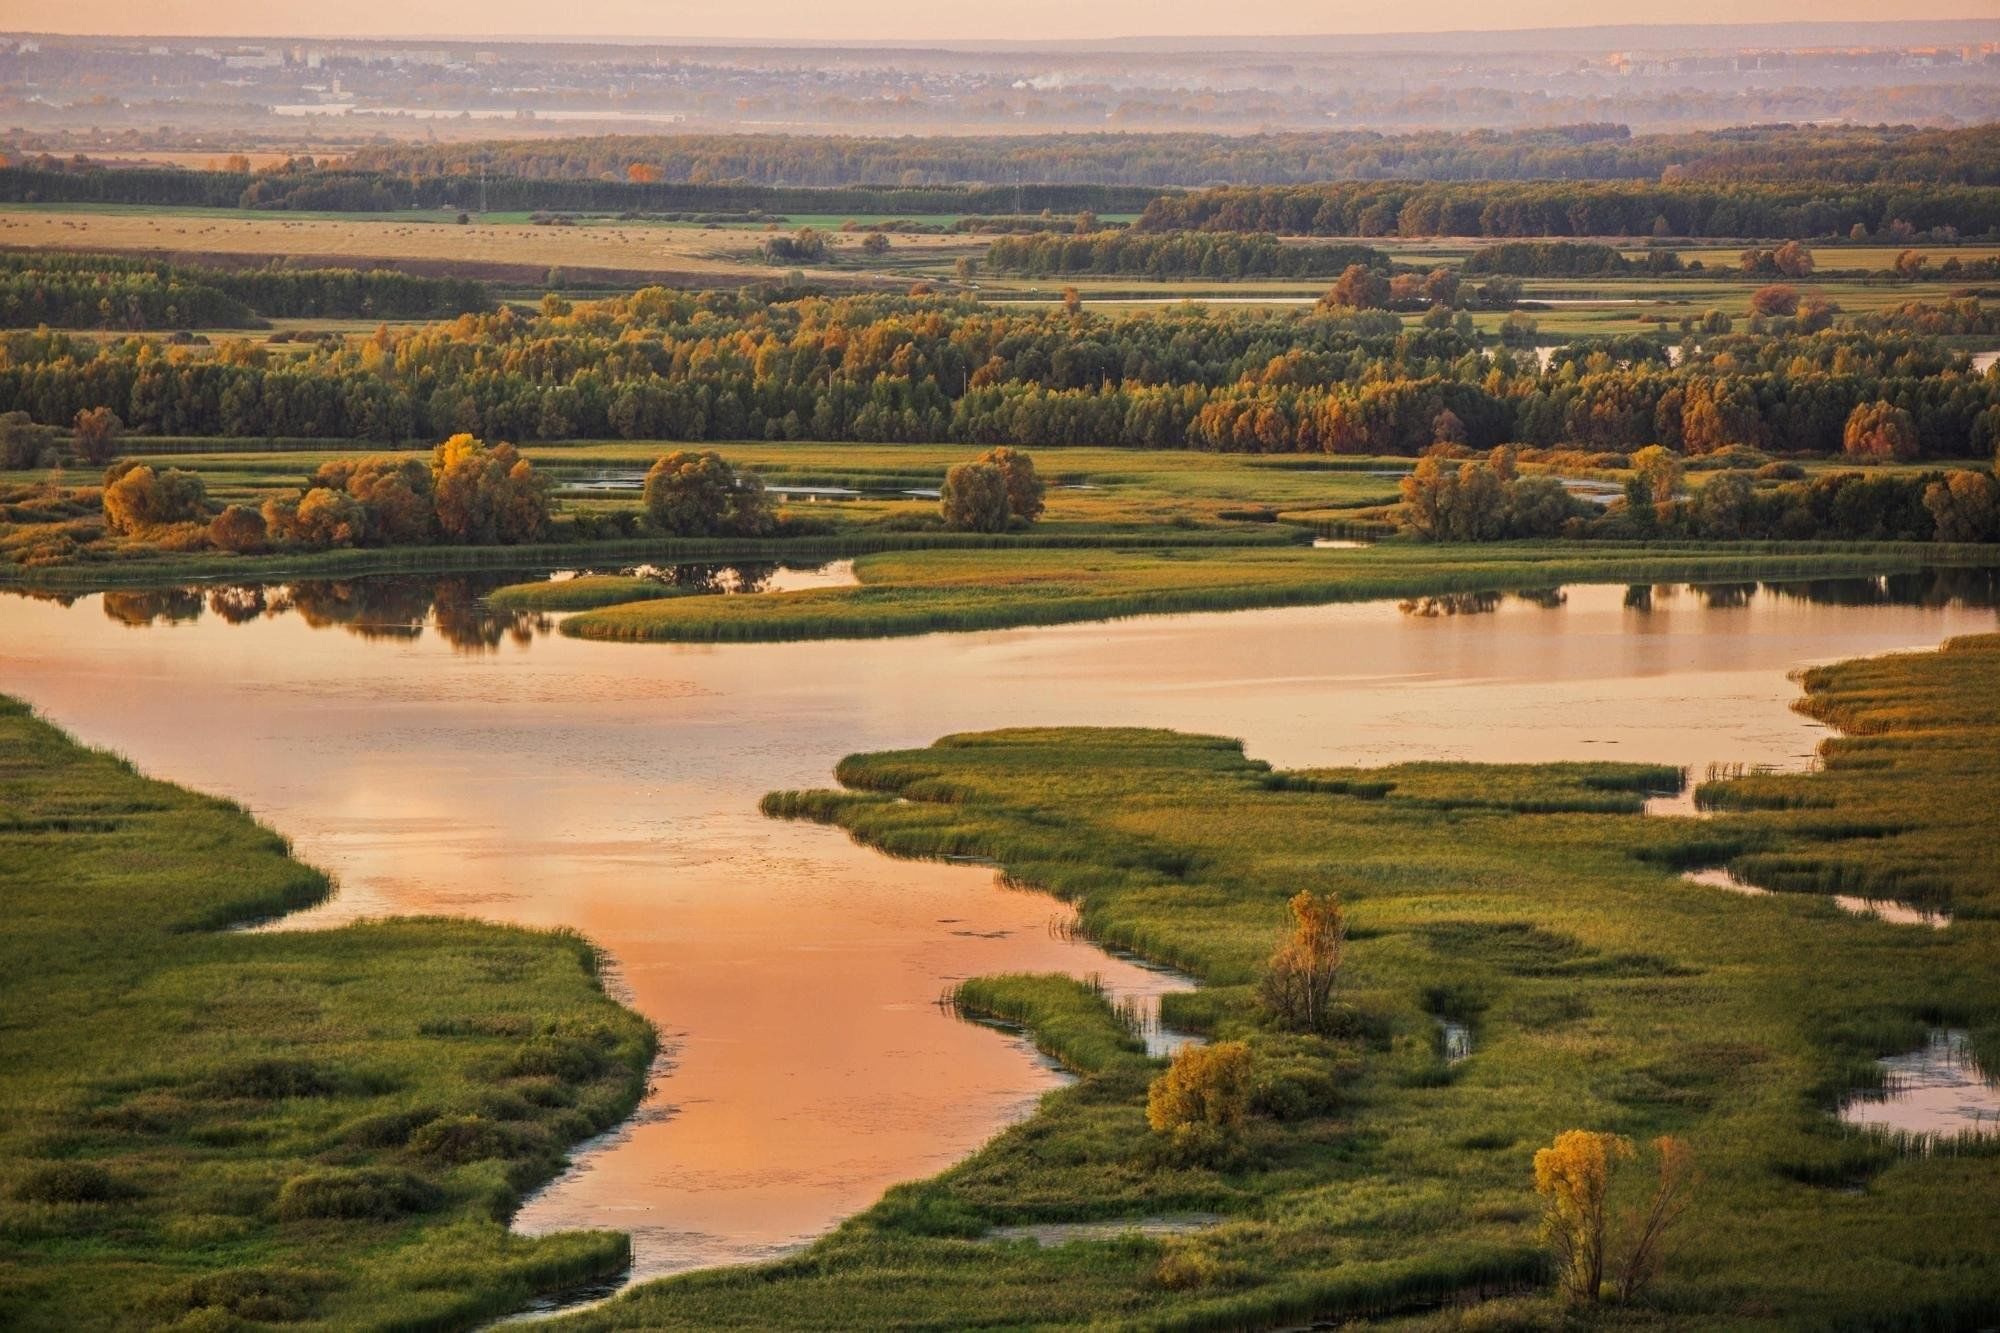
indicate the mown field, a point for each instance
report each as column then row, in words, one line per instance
column 205, row 1128
column 1535, row 906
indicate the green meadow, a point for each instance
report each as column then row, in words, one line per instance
column 1535, row 906
column 203, row 1127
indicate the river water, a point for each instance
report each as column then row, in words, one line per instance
column 437, row 757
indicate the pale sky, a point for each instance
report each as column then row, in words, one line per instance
column 853, row 20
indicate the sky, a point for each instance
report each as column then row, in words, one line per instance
column 854, row 20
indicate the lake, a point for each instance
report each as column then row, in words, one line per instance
column 438, row 757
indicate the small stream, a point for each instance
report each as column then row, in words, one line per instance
column 1936, row 1092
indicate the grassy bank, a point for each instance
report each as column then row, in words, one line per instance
column 1601, row 991
column 207, row 1128
column 925, row 592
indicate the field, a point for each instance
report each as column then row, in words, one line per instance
column 1534, row 907
column 210, row 1128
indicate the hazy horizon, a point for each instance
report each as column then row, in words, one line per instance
column 907, row 21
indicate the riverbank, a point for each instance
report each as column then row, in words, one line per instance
column 927, row 592
column 1388, row 1171
column 202, row 1125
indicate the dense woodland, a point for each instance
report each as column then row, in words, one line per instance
column 1187, row 254
column 306, row 187
column 82, row 291
column 1583, row 208
column 713, row 366
column 1849, row 154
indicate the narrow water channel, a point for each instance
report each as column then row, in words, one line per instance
column 437, row 757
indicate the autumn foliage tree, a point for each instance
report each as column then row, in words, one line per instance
column 1574, row 1177
column 137, row 498
column 488, row 495
column 1024, row 485
column 1880, row 430
column 1298, row 982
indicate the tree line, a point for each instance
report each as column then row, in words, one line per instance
column 687, row 366
column 310, row 187
column 1581, row 208
column 1859, row 154
column 1183, row 254
column 80, row 291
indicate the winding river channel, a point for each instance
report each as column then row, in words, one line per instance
column 437, row 757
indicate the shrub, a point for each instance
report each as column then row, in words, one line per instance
column 240, row 529
column 367, row 1192
column 1200, row 1101
column 137, row 498
column 974, row 498
column 1776, row 299
column 23, row 444
column 395, row 494
column 463, row 1138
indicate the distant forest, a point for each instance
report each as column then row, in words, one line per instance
column 1845, row 155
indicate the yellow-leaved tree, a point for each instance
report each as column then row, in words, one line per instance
column 1573, row 1175
column 1298, row 982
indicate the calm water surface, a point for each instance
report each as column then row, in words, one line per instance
column 439, row 758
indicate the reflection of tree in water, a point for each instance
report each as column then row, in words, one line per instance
column 467, row 623
column 742, row 577
column 1452, row 604
column 238, row 603
column 1922, row 587
column 1549, row 599
column 1639, row 597
column 147, row 606
column 1725, row 596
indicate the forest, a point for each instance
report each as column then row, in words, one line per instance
column 682, row 366
column 1852, row 154
column 1188, row 254
column 79, row 291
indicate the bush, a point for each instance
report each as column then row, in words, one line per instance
column 369, row 1192
column 1200, row 1101
column 240, row 529
column 137, row 498
column 96, row 435
column 457, row 1139
column 23, row 444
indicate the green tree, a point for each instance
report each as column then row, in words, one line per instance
column 974, row 498
column 23, row 444
column 1024, row 486
column 691, row 494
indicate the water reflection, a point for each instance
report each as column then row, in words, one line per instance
column 613, row 789
column 403, row 607
column 1936, row 1092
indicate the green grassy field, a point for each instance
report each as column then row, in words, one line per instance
column 202, row 1128
column 1375, row 1178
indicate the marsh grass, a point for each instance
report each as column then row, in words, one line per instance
column 1379, row 1182
column 223, row 1129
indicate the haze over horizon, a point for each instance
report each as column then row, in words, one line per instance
column 897, row 20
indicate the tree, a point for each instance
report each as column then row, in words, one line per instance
column 396, row 493
column 1072, row 301
column 691, row 494
column 23, row 444
column 1465, row 505
column 1793, row 260
column 1200, row 1101
column 1518, row 330
column 642, row 173
column 876, row 245
column 1660, row 468
column 1298, row 982
column 1880, row 430
column 1574, row 1177
column 96, row 432
column 1775, row 299
column 487, row 495
column 1359, row 287
column 137, row 498
column 1024, row 487
column 974, row 498
column 1447, row 428
column 323, row 517
column 1966, row 506
column 238, row 528
column 1724, row 507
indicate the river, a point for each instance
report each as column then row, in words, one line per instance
column 439, row 758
